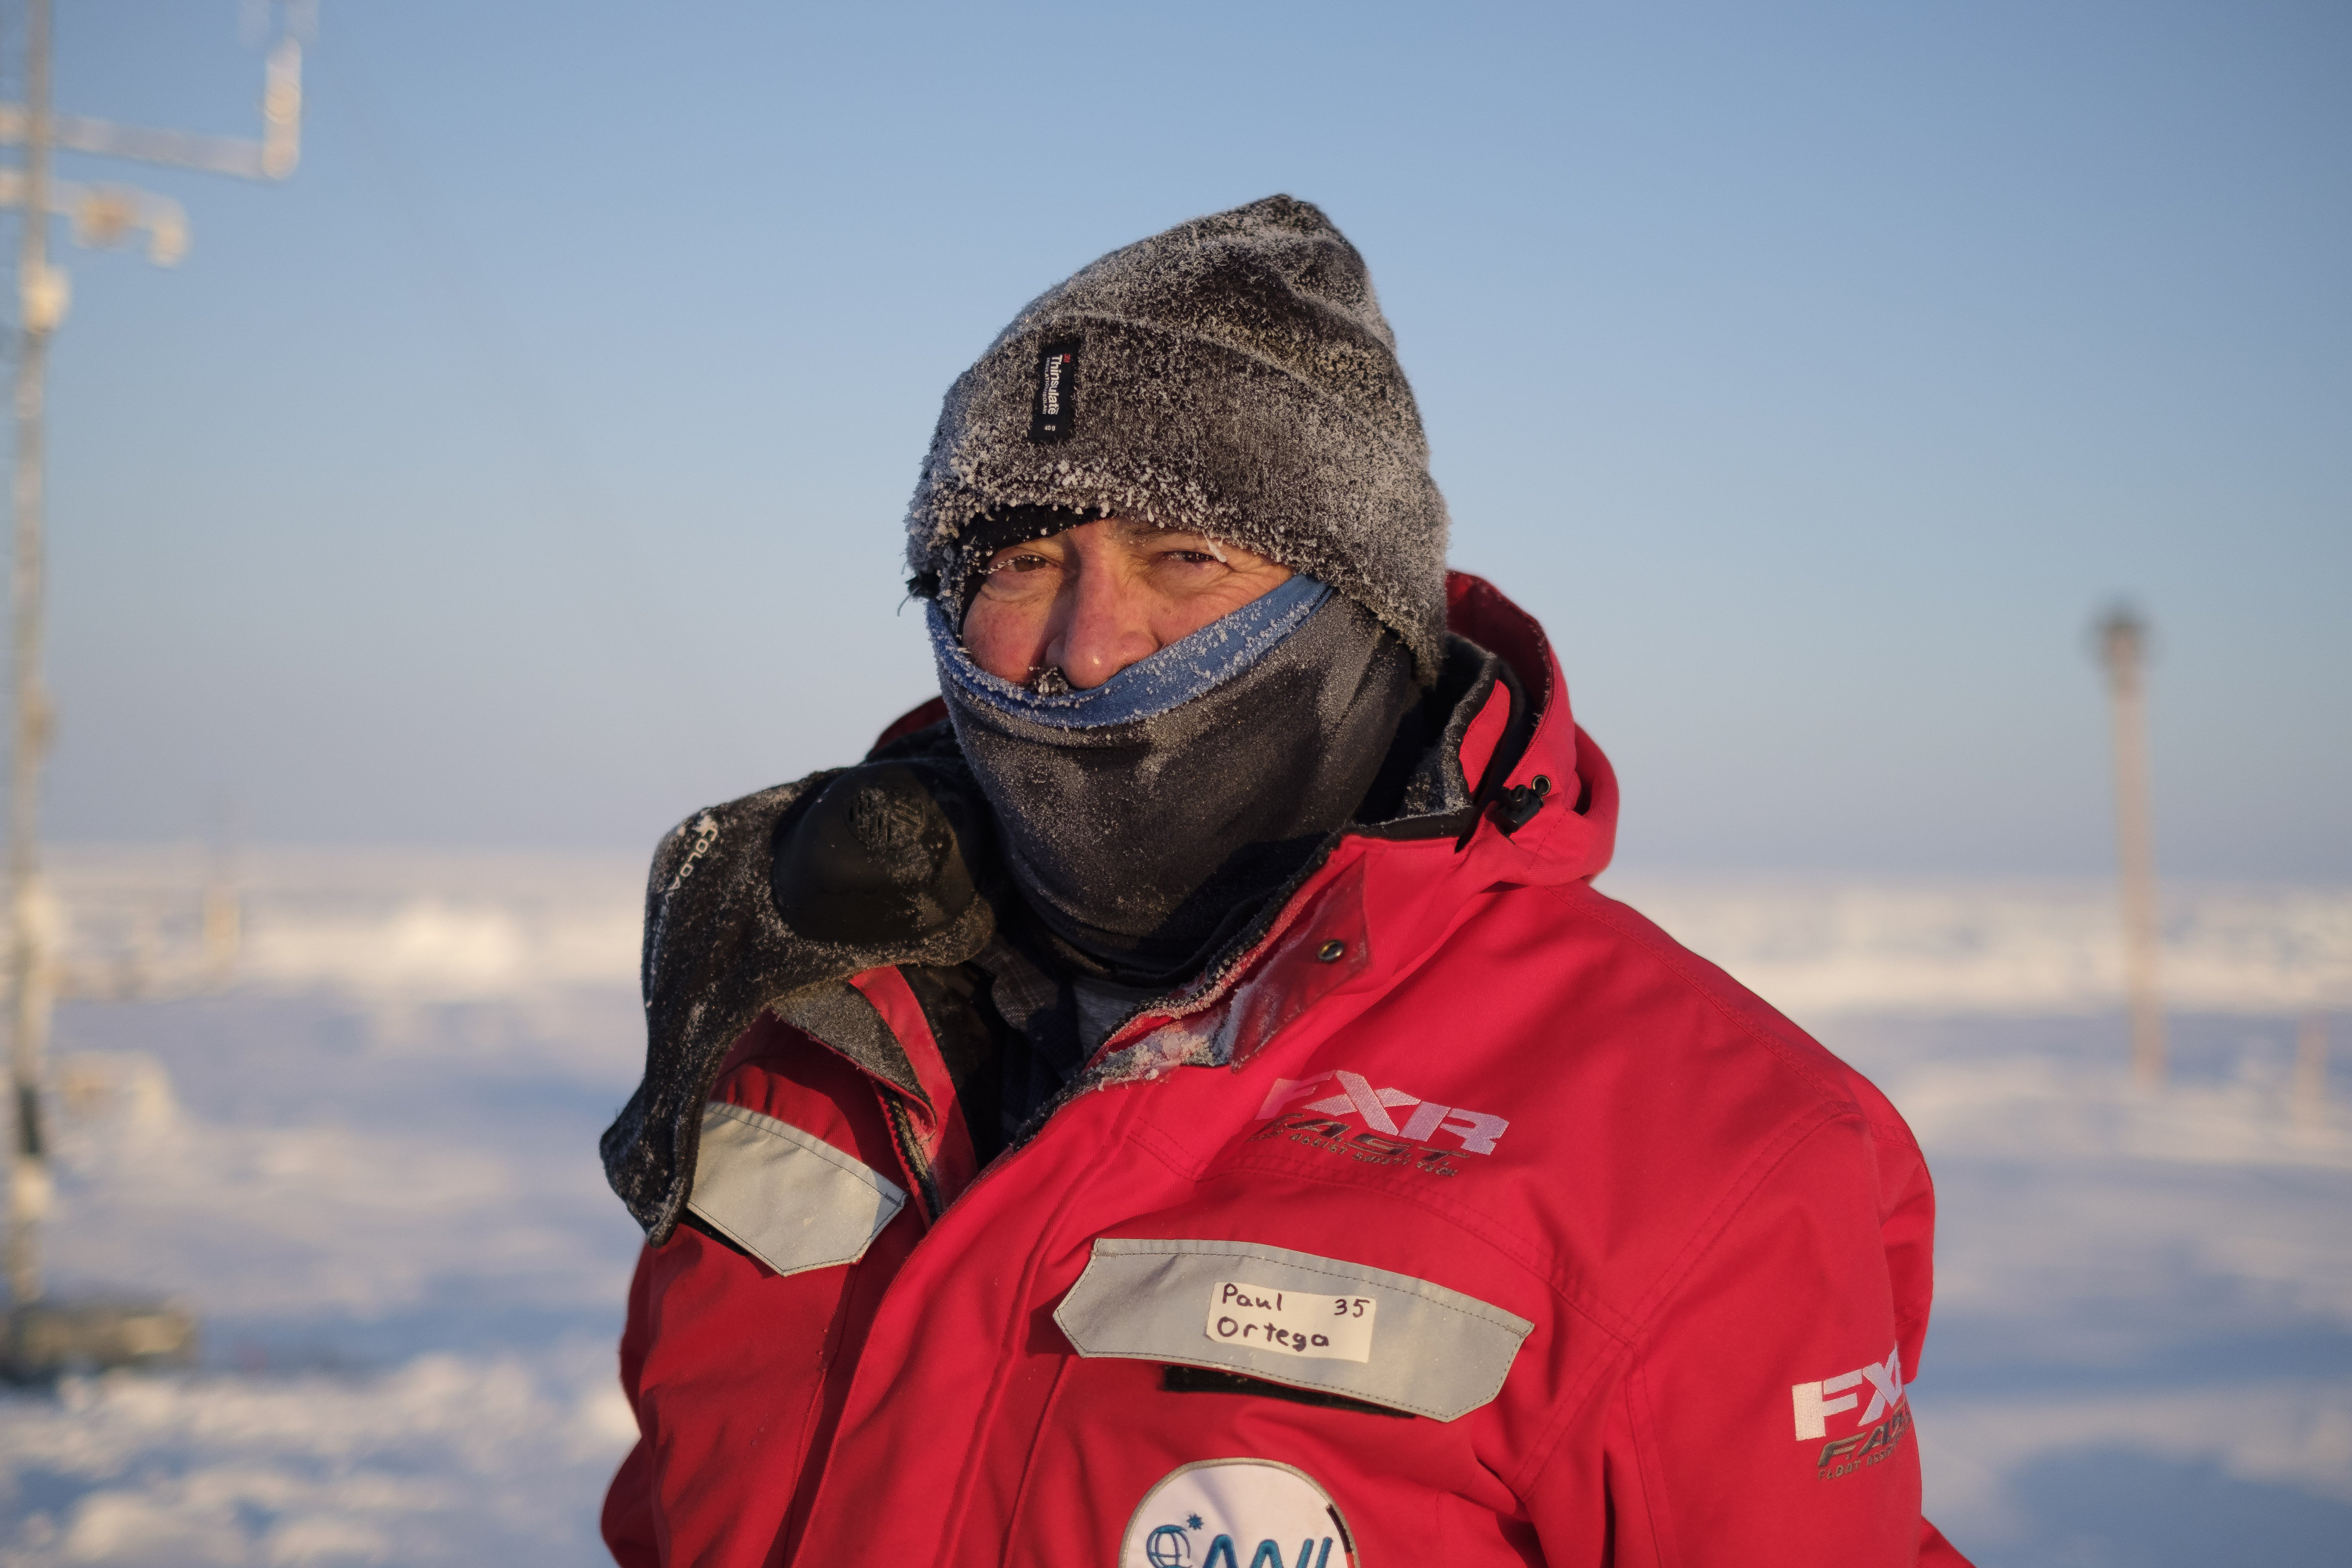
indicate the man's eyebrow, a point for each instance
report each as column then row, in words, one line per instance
column 1129, row 532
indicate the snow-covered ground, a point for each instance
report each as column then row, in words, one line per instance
column 368, row 1163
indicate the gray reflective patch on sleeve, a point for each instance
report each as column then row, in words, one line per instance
column 790, row 1199
column 1432, row 1350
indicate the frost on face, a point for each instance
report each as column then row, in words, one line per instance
column 1210, row 780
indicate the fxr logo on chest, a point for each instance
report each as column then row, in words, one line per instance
column 1357, row 1097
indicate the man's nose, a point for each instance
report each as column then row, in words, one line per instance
column 1105, row 626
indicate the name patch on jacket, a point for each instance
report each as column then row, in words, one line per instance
column 1337, row 1328
column 1385, row 1337
column 1054, row 412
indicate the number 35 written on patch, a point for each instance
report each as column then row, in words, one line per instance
column 1292, row 1323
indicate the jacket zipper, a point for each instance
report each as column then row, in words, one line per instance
column 910, row 1153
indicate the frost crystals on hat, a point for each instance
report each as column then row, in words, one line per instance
column 1056, row 408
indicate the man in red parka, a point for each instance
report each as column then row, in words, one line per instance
column 1180, row 1102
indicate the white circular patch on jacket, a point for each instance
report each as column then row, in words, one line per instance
column 1238, row 1513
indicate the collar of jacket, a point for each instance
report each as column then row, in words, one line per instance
column 1514, row 792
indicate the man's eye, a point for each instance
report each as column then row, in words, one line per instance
column 1017, row 563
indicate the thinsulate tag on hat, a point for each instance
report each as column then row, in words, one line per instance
column 1055, row 414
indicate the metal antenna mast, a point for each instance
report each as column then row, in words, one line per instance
column 101, row 214
column 2122, row 648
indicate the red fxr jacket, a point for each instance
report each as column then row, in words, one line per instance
column 1467, row 1219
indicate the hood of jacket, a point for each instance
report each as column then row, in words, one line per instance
column 773, row 902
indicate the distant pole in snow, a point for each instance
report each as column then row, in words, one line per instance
column 2310, row 1070
column 2122, row 648
column 101, row 216
column 41, row 302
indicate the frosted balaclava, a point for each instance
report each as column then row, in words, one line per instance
column 1232, row 376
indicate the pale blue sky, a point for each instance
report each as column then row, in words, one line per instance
column 528, row 469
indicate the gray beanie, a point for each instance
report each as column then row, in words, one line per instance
column 1233, row 375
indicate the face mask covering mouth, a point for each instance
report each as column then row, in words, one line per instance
column 1144, row 821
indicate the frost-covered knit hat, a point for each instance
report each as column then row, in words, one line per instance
column 1233, row 375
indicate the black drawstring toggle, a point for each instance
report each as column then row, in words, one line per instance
column 1516, row 806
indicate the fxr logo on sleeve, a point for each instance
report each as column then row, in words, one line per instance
column 1357, row 1097
column 1876, row 1432
column 1815, row 1405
